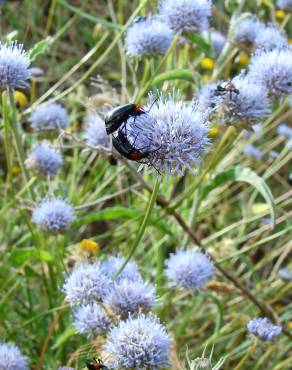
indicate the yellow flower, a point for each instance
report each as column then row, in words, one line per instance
column 290, row 325
column 280, row 15
column 20, row 99
column 15, row 170
column 90, row 246
column 214, row 131
column 290, row 41
column 278, row 307
column 207, row 63
column 243, row 59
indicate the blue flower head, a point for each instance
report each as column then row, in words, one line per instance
column 49, row 117
column 189, row 269
column 65, row 368
column 95, row 133
column 253, row 152
column 86, row 284
column 285, row 4
column 249, row 105
column 244, row 30
column 218, row 41
column 138, row 343
column 130, row 297
column 91, row 320
column 53, row 215
column 192, row 15
column 14, row 66
column 207, row 97
column 11, row 358
column 148, row 36
column 174, row 133
column 284, row 130
column 271, row 37
column 262, row 328
column 45, row 160
column 273, row 69
column 110, row 266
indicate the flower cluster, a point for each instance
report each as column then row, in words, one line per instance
column 14, row 66
column 273, row 69
column 11, row 358
column 49, row 117
column 45, row 160
column 189, row 269
column 148, row 36
column 262, row 328
column 138, row 343
column 173, row 133
column 53, row 215
column 271, row 37
column 192, row 15
column 244, row 30
column 102, row 298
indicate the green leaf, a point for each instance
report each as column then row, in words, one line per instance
column 177, row 74
column 40, row 48
column 114, row 213
column 243, row 175
column 19, row 256
column 68, row 333
column 200, row 42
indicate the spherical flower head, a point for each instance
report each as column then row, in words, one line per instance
column 65, row 368
column 249, row 105
column 14, row 66
column 285, row 4
column 218, row 41
column 91, row 320
column 253, row 152
column 138, row 343
column 207, row 97
column 11, row 358
column 244, row 30
column 130, row 297
column 173, row 133
column 273, row 69
column 191, row 15
column 49, row 117
column 45, row 160
column 189, row 269
column 86, row 284
column 284, row 130
column 53, row 215
column 112, row 265
column 148, row 36
column 262, row 328
column 95, row 133
column 271, row 37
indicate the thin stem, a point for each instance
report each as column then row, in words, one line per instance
column 6, row 138
column 142, row 228
column 18, row 143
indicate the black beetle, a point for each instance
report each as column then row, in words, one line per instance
column 228, row 88
column 126, row 149
column 95, row 364
column 119, row 115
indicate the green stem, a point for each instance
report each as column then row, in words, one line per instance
column 18, row 144
column 142, row 228
column 6, row 138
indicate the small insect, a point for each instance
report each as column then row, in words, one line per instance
column 228, row 88
column 96, row 364
column 128, row 150
column 119, row 115
column 139, row 19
